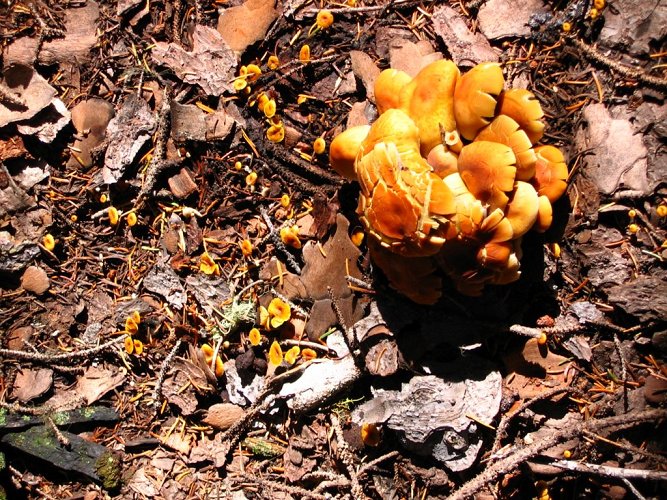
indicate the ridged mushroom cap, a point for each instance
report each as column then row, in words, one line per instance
column 522, row 106
column 344, row 149
column 387, row 87
column 475, row 98
column 396, row 127
column 505, row 130
column 550, row 172
column 545, row 215
column 521, row 211
column 429, row 100
column 488, row 171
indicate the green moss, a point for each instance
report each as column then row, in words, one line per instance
column 109, row 469
column 3, row 417
column 60, row 418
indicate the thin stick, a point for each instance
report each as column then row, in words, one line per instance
column 609, row 471
column 56, row 358
column 514, row 460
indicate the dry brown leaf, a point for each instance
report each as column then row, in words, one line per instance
column 365, row 69
column 90, row 118
column 210, row 64
column 320, row 272
column 505, row 18
column 617, row 158
column 461, row 43
column 98, row 380
column 411, row 57
column 534, row 369
column 32, row 383
column 31, row 92
column 80, row 37
column 247, row 23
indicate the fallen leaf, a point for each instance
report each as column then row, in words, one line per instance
column 32, row 383
column 320, row 272
column 35, row 280
column 210, row 64
column 245, row 24
column 29, row 92
column 127, row 133
column 189, row 123
column 80, row 37
column 90, row 118
column 411, row 57
column 365, row 69
column 505, row 18
column 462, row 44
column 535, row 369
column 617, row 158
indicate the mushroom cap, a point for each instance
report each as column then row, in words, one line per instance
column 488, row 171
column 397, row 204
column 522, row 106
column 495, row 255
column 550, row 172
column 510, row 273
column 443, row 161
column 414, row 277
column 505, row 130
column 387, row 87
column 475, row 98
column 344, row 149
column 396, row 127
column 495, row 227
column 521, row 211
column 469, row 210
column 429, row 100
column 545, row 215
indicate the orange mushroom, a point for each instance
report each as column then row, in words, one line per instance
column 550, row 172
column 443, row 161
column 429, row 100
column 521, row 211
column 475, row 98
column 505, row 130
column 387, row 87
column 522, row 106
column 488, row 171
column 544, row 215
column 344, row 149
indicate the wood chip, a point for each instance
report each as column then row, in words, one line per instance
column 182, row 184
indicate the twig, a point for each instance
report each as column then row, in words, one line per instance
column 232, row 436
column 628, row 447
column 632, row 489
column 609, row 471
column 275, row 485
column 592, row 53
column 507, row 418
column 166, row 364
column 62, row 439
column 378, row 460
column 277, row 242
column 624, row 370
column 511, row 462
column 347, row 458
column 56, row 358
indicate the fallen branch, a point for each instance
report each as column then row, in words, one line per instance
column 56, row 358
column 609, row 471
column 511, row 462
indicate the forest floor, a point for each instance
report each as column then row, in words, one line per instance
column 188, row 308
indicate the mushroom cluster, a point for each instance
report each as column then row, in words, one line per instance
column 451, row 177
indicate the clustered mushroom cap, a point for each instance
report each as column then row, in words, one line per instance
column 429, row 100
column 451, row 178
column 475, row 98
column 388, row 84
